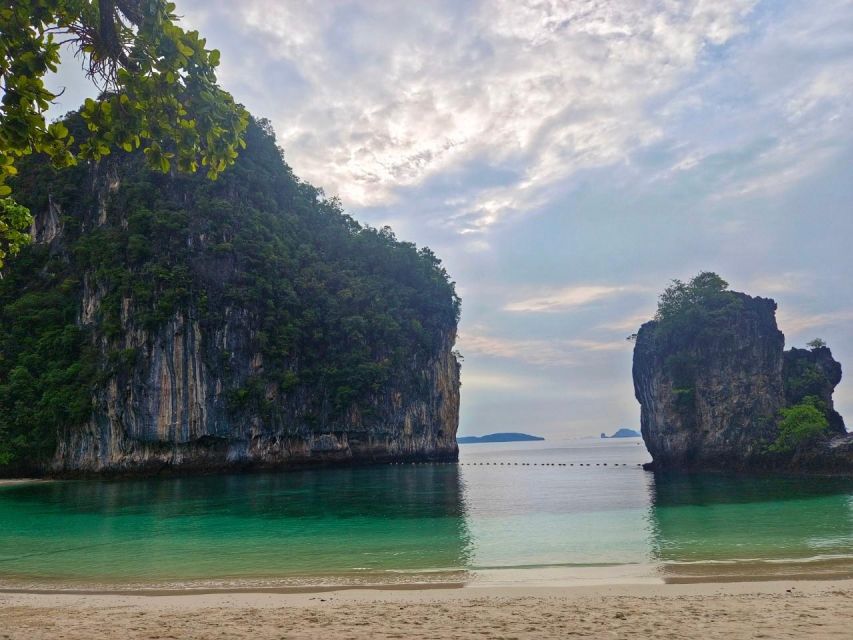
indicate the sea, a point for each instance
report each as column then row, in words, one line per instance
column 531, row 513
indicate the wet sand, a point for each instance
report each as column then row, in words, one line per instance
column 789, row 609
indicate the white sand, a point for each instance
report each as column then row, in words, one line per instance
column 792, row 609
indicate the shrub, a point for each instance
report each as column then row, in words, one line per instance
column 800, row 424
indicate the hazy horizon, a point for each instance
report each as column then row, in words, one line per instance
column 566, row 161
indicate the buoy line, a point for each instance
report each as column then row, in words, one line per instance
column 516, row 464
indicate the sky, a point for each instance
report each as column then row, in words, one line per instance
column 566, row 160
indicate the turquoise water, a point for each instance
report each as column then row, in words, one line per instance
column 526, row 520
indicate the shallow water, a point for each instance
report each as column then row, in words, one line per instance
column 528, row 520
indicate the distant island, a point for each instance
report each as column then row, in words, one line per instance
column 623, row 433
column 498, row 437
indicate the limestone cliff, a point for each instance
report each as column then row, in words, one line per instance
column 711, row 385
column 182, row 324
column 170, row 411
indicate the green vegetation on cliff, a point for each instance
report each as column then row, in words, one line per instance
column 46, row 366
column 157, row 82
column 800, row 424
column 699, row 310
column 336, row 307
column 682, row 301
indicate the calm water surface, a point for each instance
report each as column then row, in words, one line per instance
column 521, row 521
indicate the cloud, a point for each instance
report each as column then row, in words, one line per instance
column 493, row 381
column 797, row 323
column 776, row 111
column 785, row 282
column 539, row 352
column 375, row 97
column 629, row 323
column 371, row 100
column 568, row 298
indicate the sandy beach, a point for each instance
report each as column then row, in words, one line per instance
column 791, row 609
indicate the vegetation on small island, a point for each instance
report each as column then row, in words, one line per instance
column 683, row 301
column 803, row 379
column 158, row 93
column 800, row 424
column 697, row 310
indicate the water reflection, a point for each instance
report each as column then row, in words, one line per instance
column 525, row 509
column 571, row 512
column 733, row 527
column 365, row 523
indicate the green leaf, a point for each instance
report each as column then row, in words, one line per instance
column 59, row 130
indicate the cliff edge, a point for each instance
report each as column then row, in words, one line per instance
column 173, row 323
column 718, row 391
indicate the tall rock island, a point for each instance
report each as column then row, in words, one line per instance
column 718, row 391
column 162, row 323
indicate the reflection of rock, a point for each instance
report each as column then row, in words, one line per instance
column 386, row 520
column 702, row 518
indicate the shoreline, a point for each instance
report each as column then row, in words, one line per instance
column 419, row 592
column 491, row 581
column 709, row 610
column 816, row 570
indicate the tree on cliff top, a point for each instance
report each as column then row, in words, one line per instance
column 158, row 84
column 680, row 297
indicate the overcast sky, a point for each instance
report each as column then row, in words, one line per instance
column 566, row 160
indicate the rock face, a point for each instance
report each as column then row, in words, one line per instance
column 242, row 323
column 171, row 412
column 711, row 392
column 813, row 373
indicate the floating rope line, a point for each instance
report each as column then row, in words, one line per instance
column 516, row 464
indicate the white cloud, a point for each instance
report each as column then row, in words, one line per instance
column 629, row 323
column 799, row 322
column 494, row 381
column 540, row 352
column 785, row 282
column 779, row 111
column 569, row 297
column 390, row 94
